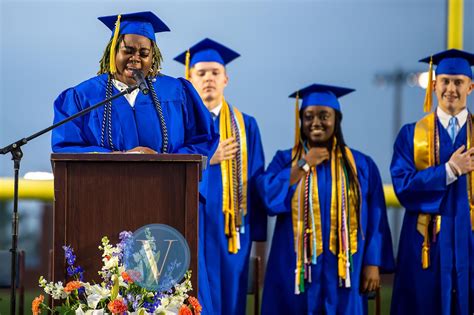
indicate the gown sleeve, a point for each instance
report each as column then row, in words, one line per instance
column 201, row 136
column 274, row 185
column 73, row 136
column 256, row 166
column 418, row 191
column 378, row 239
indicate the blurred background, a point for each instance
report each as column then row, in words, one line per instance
column 370, row 45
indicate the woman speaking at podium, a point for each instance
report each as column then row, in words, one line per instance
column 169, row 119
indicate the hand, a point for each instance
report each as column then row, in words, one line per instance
column 462, row 163
column 142, row 150
column 225, row 151
column 370, row 279
column 316, row 156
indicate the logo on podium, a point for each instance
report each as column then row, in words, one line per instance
column 156, row 257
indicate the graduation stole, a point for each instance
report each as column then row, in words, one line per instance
column 234, row 176
column 426, row 154
column 306, row 218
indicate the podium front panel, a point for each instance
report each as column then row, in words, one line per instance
column 100, row 195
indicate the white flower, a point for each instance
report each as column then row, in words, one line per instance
column 97, row 289
column 110, row 263
column 42, row 282
column 93, row 300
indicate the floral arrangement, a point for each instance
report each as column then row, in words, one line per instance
column 118, row 293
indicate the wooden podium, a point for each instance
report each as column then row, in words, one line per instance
column 98, row 195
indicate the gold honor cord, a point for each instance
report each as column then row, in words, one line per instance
column 470, row 176
column 298, row 205
column 425, row 157
column 233, row 206
column 426, row 151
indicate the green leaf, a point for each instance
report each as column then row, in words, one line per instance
column 115, row 288
column 64, row 310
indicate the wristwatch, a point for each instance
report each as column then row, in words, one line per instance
column 303, row 165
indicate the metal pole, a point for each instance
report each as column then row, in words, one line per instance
column 455, row 23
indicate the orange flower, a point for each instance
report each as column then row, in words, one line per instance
column 117, row 307
column 184, row 310
column 195, row 304
column 126, row 277
column 72, row 285
column 35, row 305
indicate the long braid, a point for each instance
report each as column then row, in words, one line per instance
column 106, row 128
column 353, row 179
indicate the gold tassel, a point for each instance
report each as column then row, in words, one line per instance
column 425, row 259
column 429, row 89
column 113, row 68
column 297, row 127
column 425, row 250
column 186, row 65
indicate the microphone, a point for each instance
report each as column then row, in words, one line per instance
column 141, row 82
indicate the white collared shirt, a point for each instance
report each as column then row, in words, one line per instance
column 445, row 117
column 444, row 120
column 216, row 110
column 131, row 97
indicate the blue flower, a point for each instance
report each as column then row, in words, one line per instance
column 69, row 254
column 72, row 271
column 125, row 245
column 153, row 305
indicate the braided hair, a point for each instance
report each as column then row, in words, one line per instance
column 353, row 179
column 341, row 144
column 156, row 63
column 106, row 139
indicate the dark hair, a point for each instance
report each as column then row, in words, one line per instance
column 353, row 179
column 341, row 144
column 105, row 60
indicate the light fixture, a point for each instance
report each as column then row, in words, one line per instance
column 39, row 176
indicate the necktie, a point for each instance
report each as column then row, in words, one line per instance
column 453, row 128
column 214, row 116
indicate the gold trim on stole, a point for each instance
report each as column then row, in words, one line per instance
column 227, row 166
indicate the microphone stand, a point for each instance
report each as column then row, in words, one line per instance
column 17, row 154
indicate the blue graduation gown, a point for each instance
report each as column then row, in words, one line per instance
column 228, row 272
column 429, row 291
column 322, row 296
column 190, row 131
column 189, row 124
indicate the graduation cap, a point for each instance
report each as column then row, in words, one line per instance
column 452, row 62
column 206, row 50
column 317, row 95
column 139, row 23
column 322, row 95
